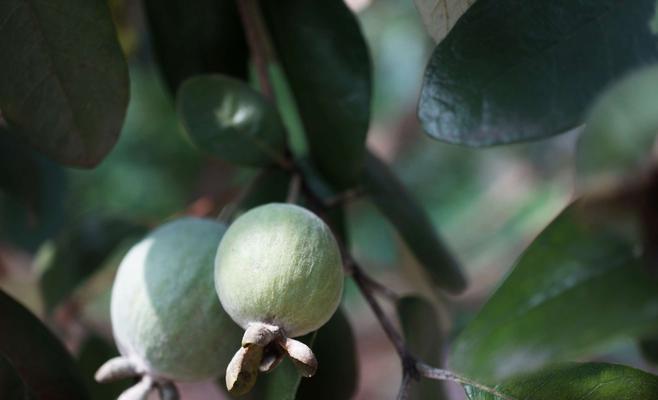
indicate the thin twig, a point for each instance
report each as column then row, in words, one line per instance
column 344, row 197
column 293, row 189
column 403, row 393
column 440, row 374
column 261, row 49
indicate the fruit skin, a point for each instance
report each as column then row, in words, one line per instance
column 165, row 313
column 279, row 264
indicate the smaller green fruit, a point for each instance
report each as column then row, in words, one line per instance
column 278, row 274
column 279, row 264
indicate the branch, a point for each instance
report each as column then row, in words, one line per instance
column 412, row 368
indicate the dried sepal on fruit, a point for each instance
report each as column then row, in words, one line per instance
column 279, row 275
column 166, row 320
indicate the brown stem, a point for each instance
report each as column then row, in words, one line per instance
column 262, row 52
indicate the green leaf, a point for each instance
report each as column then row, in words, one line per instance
column 512, row 71
column 64, row 86
column 421, row 328
column 338, row 371
column 649, row 349
column 78, row 252
column 413, row 224
column 36, row 189
column 193, row 38
column 596, row 381
column 93, row 353
column 439, row 16
column 230, row 120
column 12, row 386
column 326, row 60
column 41, row 360
column 282, row 383
column 578, row 287
column 621, row 128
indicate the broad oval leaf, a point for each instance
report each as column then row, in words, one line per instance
column 41, row 360
column 326, row 61
column 78, row 252
column 193, row 38
column 596, row 381
column 621, row 129
column 439, row 16
column 413, row 224
column 511, row 71
column 64, row 86
column 422, row 334
column 578, row 287
column 230, row 120
column 338, row 372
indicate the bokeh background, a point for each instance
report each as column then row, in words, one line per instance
column 488, row 204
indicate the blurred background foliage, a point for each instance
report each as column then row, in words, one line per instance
column 488, row 204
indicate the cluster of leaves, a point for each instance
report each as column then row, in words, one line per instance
column 508, row 71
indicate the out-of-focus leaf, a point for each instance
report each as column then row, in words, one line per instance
column 621, row 128
column 152, row 172
column 270, row 187
column 413, row 224
column 227, row 118
column 78, row 252
column 37, row 188
column 439, row 16
column 12, row 386
column 577, row 381
column 64, row 86
column 283, row 382
column 338, row 371
column 40, row 359
column 422, row 334
column 327, row 64
column 578, row 287
column 94, row 352
column 193, row 38
column 511, row 71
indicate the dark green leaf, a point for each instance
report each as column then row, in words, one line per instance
column 12, row 386
column 338, row 371
column 326, row 60
column 36, row 188
column 515, row 70
column 621, row 128
column 439, row 16
column 422, row 334
column 193, row 38
column 230, row 120
column 596, row 381
column 64, row 86
column 94, row 352
column 282, row 383
column 413, row 224
column 578, row 287
column 41, row 360
column 78, row 252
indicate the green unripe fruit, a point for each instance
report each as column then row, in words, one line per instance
column 165, row 314
column 279, row 264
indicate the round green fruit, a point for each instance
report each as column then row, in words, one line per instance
column 165, row 315
column 279, row 264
